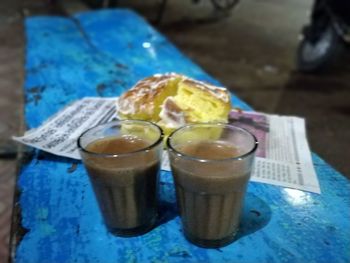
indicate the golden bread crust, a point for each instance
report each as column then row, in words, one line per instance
column 172, row 100
column 141, row 97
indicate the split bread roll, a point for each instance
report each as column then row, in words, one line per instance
column 173, row 100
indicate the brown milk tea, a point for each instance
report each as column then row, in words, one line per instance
column 210, row 195
column 125, row 187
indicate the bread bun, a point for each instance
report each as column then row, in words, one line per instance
column 172, row 100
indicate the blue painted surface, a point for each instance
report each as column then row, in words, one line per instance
column 102, row 54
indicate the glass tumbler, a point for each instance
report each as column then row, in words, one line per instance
column 122, row 159
column 211, row 165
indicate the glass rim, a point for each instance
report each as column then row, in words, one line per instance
column 144, row 149
column 203, row 160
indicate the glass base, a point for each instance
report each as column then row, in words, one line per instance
column 212, row 243
column 132, row 232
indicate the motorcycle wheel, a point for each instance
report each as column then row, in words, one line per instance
column 316, row 56
column 224, row 4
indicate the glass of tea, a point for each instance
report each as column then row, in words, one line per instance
column 211, row 166
column 123, row 159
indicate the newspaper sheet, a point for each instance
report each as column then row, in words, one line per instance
column 59, row 134
column 283, row 157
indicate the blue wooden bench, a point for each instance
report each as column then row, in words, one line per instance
column 102, row 54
